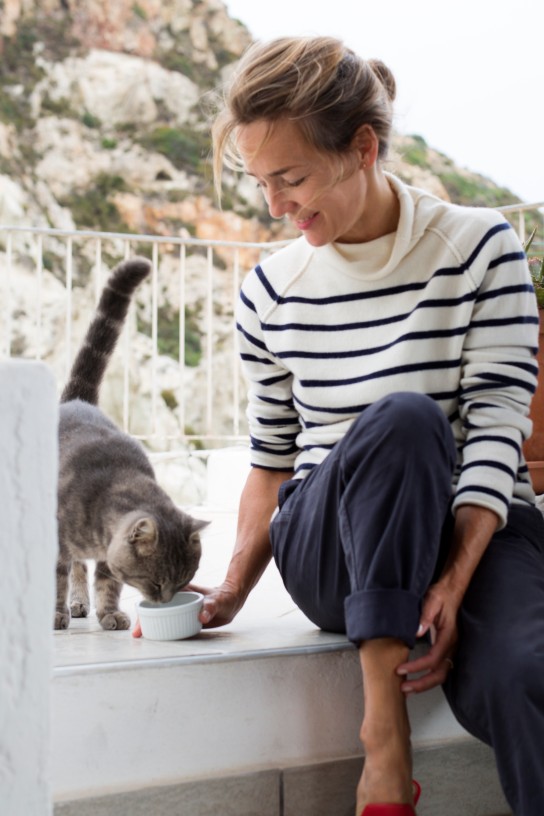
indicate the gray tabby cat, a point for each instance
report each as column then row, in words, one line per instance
column 110, row 507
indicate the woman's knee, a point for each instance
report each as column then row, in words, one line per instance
column 409, row 425
column 414, row 415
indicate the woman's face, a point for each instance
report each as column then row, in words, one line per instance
column 325, row 200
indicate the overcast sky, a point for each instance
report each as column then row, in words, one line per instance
column 470, row 73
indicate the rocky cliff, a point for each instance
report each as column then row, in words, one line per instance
column 101, row 120
column 103, row 123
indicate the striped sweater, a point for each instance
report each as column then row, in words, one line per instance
column 444, row 306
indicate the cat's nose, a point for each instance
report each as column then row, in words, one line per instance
column 154, row 595
column 167, row 595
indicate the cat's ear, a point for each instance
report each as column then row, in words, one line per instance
column 143, row 536
column 197, row 525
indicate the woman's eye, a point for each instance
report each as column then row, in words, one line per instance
column 296, row 183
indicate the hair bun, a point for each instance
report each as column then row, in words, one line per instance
column 385, row 76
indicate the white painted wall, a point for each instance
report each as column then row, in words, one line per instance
column 28, row 542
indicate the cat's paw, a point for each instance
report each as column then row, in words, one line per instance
column 114, row 620
column 79, row 610
column 62, row 618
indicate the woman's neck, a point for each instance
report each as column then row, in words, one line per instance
column 383, row 206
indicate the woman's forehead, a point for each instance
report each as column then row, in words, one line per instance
column 272, row 148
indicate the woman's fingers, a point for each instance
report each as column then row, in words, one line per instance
column 432, row 667
column 208, row 611
column 220, row 606
column 427, row 681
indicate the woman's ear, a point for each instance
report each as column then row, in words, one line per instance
column 365, row 142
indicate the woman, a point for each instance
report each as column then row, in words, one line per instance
column 390, row 355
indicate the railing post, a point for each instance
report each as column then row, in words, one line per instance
column 154, row 335
column 182, row 301
column 6, row 297
column 235, row 350
column 39, row 278
column 68, row 332
column 209, row 350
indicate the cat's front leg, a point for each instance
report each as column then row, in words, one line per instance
column 80, row 604
column 62, row 613
column 108, row 592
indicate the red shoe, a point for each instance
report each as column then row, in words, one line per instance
column 394, row 809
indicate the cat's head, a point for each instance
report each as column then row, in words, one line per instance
column 158, row 556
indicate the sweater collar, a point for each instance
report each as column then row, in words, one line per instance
column 376, row 259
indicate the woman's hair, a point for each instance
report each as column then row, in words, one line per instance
column 317, row 82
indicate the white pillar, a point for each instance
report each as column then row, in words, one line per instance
column 28, row 545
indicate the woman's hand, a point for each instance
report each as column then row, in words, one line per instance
column 221, row 604
column 439, row 617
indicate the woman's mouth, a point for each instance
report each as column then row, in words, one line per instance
column 306, row 223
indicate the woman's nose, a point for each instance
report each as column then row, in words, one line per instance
column 278, row 203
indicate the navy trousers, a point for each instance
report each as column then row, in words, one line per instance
column 361, row 538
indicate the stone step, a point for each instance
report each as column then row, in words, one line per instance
column 459, row 778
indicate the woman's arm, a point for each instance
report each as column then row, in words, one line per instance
column 252, row 551
column 497, row 380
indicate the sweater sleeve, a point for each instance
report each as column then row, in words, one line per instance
column 498, row 376
column 273, row 421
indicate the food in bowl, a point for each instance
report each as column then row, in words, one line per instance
column 174, row 620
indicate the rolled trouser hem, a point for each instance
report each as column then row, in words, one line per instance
column 378, row 613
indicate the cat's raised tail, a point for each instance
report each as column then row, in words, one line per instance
column 102, row 335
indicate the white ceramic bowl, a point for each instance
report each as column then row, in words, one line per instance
column 173, row 620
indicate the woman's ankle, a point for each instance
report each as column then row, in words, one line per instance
column 386, row 725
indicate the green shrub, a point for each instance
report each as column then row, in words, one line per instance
column 18, row 65
column 168, row 334
column 14, row 111
column 176, row 60
column 183, row 147
column 139, row 11
column 416, row 153
column 170, row 398
column 127, row 128
column 58, row 107
column 93, row 209
column 90, row 121
column 470, row 191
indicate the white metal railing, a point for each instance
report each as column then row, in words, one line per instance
column 26, row 249
column 206, row 403
column 520, row 210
